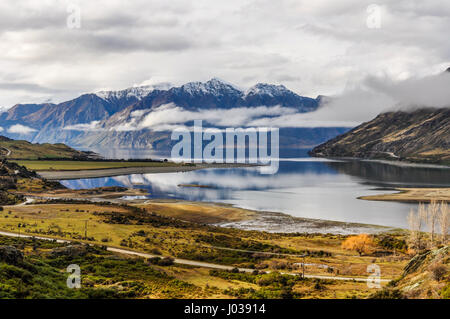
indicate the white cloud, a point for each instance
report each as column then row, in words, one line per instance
column 92, row 126
column 314, row 47
column 375, row 95
column 20, row 129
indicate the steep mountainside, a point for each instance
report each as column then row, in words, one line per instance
column 419, row 136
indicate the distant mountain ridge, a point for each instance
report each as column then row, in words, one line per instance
column 91, row 119
column 422, row 135
column 98, row 106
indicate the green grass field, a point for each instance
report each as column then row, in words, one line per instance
column 84, row 165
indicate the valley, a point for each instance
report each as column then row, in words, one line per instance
column 142, row 228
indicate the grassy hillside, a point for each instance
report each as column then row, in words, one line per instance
column 20, row 149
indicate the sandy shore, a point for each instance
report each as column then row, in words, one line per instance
column 414, row 195
column 92, row 173
column 197, row 212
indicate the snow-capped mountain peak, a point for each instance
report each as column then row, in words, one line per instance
column 214, row 86
column 137, row 92
column 267, row 89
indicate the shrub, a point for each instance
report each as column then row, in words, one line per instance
column 438, row 271
column 387, row 294
column 155, row 251
column 445, row 293
column 166, row 261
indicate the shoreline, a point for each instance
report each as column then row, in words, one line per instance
column 400, row 163
column 109, row 172
column 413, row 195
column 227, row 215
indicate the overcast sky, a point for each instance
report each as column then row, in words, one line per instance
column 312, row 47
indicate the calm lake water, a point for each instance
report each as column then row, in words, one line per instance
column 303, row 187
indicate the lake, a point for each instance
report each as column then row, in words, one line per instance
column 303, row 187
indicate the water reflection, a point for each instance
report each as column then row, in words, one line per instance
column 305, row 187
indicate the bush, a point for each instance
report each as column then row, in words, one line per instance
column 438, row 271
column 445, row 293
column 387, row 294
column 166, row 261
column 155, row 251
column 235, row 270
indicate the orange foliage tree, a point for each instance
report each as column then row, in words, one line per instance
column 362, row 244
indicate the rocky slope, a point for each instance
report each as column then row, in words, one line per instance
column 426, row 276
column 422, row 135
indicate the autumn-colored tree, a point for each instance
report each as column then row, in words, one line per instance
column 362, row 244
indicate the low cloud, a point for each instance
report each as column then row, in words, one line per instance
column 168, row 117
column 374, row 95
column 430, row 91
column 92, row 126
column 20, row 129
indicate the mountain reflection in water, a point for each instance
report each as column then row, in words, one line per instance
column 303, row 187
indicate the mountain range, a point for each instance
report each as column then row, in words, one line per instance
column 125, row 118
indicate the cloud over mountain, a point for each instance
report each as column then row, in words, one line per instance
column 318, row 47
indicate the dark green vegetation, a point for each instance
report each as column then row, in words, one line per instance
column 418, row 136
column 41, row 273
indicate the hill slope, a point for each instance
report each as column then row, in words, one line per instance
column 419, row 136
column 19, row 149
column 426, row 276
